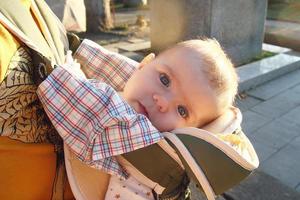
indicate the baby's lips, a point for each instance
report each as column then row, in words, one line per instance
column 142, row 110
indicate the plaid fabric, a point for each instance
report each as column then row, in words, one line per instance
column 106, row 66
column 93, row 120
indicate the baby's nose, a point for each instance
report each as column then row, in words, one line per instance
column 161, row 103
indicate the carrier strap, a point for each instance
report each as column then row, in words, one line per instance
column 163, row 173
column 196, row 169
column 139, row 176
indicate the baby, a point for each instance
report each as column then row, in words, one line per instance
column 189, row 84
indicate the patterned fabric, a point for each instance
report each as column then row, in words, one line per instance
column 21, row 115
column 93, row 120
column 103, row 65
column 127, row 189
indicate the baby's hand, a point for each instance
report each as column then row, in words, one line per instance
column 73, row 67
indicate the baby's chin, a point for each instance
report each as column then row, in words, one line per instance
column 161, row 127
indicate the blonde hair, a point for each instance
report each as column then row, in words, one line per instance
column 217, row 66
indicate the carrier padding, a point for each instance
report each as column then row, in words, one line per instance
column 220, row 170
column 158, row 166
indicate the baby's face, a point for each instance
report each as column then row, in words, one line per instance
column 172, row 92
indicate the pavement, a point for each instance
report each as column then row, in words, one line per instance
column 271, row 113
column 271, row 119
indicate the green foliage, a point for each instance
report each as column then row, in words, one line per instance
column 264, row 54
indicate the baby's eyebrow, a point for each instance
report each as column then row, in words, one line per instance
column 169, row 70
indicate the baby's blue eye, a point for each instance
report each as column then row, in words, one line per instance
column 182, row 111
column 164, row 79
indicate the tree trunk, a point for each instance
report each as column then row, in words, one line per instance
column 98, row 15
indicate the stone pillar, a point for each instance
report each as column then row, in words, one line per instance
column 98, row 15
column 237, row 24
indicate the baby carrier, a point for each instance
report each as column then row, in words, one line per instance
column 216, row 157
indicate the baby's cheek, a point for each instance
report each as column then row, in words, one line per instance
column 165, row 123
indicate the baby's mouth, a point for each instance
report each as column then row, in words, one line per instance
column 142, row 110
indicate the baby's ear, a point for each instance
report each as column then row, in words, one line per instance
column 146, row 60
